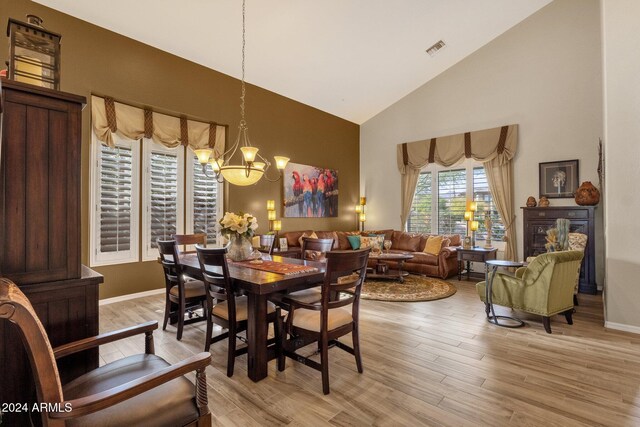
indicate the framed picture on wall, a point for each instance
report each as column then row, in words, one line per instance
column 310, row 191
column 559, row 179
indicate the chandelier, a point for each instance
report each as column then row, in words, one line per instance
column 248, row 171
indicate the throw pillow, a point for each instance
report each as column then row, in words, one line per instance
column 367, row 242
column 380, row 239
column 354, row 241
column 313, row 235
column 433, row 245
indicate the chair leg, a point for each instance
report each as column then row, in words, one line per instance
column 546, row 321
column 575, row 299
column 207, row 338
column 279, row 336
column 356, row 348
column 569, row 316
column 324, row 361
column 167, row 311
column 231, row 355
column 181, row 310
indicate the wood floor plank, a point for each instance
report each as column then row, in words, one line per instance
column 435, row 363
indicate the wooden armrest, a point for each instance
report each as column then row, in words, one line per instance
column 294, row 303
column 91, row 342
column 95, row 402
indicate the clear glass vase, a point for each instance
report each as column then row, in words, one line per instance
column 240, row 248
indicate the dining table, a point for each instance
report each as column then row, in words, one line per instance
column 257, row 285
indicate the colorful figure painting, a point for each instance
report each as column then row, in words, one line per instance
column 310, row 191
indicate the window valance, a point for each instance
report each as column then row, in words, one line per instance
column 109, row 116
column 481, row 145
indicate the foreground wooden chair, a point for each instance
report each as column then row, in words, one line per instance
column 315, row 249
column 224, row 308
column 137, row 390
column 181, row 296
column 325, row 321
column 185, row 240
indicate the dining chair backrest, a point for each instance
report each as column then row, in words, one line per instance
column 185, row 240
column 215, row 274
column 267, row 243
column 343, row 280
column 170, row 262
column 315, row 249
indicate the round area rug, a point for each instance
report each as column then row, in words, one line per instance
column 414, row 288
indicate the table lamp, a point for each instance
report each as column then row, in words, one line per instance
column 474, row 226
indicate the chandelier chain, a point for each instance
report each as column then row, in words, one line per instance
column 242, row 120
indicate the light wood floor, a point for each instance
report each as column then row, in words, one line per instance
column 425, row 363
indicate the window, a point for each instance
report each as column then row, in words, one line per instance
column 441, row 199
column 452, row 201
column 204, row 201
column 482, row 195
column 420, row 216
column 163, row 204
column 114, row 202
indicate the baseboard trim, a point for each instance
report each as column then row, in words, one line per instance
column 622, row 327
column 130, row 296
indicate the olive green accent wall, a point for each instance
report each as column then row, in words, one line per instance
column 95, row 60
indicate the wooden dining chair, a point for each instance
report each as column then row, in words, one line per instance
column 267, row 243
column 224, row 308
column 141, row 389
column 181, row 296
column 185, row 240
column 314, row 249
column 327, row 320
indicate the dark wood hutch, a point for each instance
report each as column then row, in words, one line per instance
column 40, row 231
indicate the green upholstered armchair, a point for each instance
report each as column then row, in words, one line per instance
column 544, row 287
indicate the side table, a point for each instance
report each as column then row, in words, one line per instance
column 476, row 254
column 491, row 314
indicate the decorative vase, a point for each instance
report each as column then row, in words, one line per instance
column 239, row 248
column 587, row 194
column 531, row 202
column 544, row 202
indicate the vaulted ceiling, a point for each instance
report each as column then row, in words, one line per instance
column 350, row 58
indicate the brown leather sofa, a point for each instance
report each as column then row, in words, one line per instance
column 443, row 265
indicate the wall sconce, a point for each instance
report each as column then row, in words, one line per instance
column 360, row 215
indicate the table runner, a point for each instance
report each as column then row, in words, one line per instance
column 277, row 267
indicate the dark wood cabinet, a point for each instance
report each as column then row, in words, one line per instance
column 40, row 232
column 537, row 221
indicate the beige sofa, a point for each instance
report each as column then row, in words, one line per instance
column 443, row 265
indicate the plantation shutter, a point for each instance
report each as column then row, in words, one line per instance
column 116, row 185
column 163, row 207
column 482, row 195
column 205, row 202
column 452, row 201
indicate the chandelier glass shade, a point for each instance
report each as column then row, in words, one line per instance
column 252, row 166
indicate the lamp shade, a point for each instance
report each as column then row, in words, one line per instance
column 473, row 206
column 358, row 208
column 363, row 201
column 468, row 215
column 271, row 205
column 474, row 225
column 271, row 215
column 237, row 175
column 281, row 162
column 249, row 153
column 203, row 155
column 216, row 164
column 277, row 225
column 363, row 217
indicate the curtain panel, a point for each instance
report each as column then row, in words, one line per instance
column 493, row 147
column 109, row 117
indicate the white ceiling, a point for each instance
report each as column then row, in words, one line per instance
column 351, row 58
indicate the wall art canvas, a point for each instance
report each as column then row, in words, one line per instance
column 559, row 179
column 310, row 191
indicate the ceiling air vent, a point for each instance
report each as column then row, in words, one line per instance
column 435, row 48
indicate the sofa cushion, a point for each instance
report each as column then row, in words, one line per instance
column 388, row 234
column 406, row 241
column 354, row 242
column 433, row 245
column 423, row 258
column 312, row 235
column 293, row 236
column 343, row 242
column 455, row 239
column 329, row 235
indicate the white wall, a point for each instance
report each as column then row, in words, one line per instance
column 544, row 74
column 621, row 48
